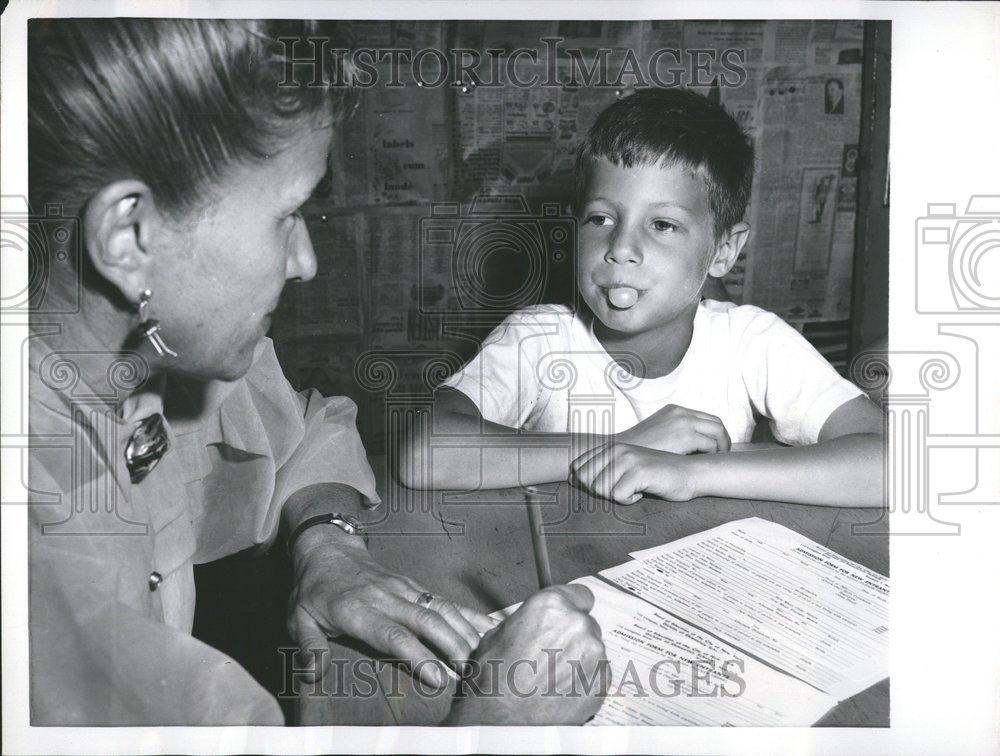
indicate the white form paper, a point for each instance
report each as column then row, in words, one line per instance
column 666, row 672
column 776, row 595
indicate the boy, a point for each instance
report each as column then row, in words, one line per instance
column 622, row 393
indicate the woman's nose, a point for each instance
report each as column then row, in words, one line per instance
column 624, row 249
column 301, row 264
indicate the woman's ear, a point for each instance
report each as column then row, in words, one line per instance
column 117, row 229
column 728, row 250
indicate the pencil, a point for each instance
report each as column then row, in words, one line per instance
column 534, row 498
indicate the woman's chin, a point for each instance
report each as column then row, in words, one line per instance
column 230, row 366
column 237, row 366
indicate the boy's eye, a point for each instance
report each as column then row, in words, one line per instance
column 662, row 225
column 598, row 220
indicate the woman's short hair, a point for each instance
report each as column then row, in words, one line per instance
column 170, row 102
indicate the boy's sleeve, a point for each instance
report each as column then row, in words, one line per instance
column 501, row 378
column 789, row 382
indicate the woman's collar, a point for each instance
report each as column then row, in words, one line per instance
column 70, row 369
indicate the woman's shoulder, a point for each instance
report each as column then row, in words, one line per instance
column 63, row 380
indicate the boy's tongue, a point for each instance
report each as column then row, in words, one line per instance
column 623, row 297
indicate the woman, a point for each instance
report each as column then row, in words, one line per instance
column 178, row 153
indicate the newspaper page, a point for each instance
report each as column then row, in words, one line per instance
column 806, row 182
column 395, row 147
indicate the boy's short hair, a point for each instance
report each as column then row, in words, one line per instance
column 656, row 126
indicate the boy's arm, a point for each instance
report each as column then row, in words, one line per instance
column 843, row 469
column 834, row 431
column 456, row 448
column 459, row 449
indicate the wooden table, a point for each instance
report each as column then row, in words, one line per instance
column 476, row 548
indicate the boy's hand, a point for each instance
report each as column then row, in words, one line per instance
column 678, row 430
column 624, row 473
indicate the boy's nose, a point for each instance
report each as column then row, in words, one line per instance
column 623, row 250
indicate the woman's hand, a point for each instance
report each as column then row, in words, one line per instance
column 624, row 473
column 544, row 665
column 340, row 589
column 678, row 430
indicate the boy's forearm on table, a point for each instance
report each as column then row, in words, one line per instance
column 843, row 472
column 490, row 467
column 463, row 451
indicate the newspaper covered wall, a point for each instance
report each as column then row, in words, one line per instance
column 426, row 148
column 804, row 193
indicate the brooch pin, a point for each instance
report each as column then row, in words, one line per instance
column 145, row 448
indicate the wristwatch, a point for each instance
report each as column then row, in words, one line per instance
column 348, row 523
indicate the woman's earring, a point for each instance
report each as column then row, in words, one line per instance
column 149, row 328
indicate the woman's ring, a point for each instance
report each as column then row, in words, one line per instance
column 424, row 600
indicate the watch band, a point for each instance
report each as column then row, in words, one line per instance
column 347, row 523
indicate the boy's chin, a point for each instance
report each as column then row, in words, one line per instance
column 631, row 320
column 639, row 318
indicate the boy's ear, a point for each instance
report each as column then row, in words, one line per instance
column 728, row 250
column 117, row 229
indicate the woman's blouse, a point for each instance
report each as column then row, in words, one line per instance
column 111, row 562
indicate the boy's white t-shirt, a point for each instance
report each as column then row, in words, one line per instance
column 543, row 369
